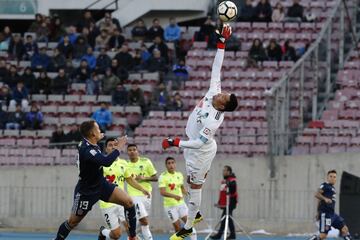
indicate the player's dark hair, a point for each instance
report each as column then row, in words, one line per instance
column 332, row 171
column 232, row 104
column 228, row 168
column 86, row 128
column 132, row 145
column 169, row 158
column 110, row 139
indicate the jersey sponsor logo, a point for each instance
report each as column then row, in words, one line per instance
column 207, row 131
column 172, row 186
column 110, row 178
column 93, row 152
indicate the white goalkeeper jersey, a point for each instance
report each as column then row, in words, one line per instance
column 205, row 119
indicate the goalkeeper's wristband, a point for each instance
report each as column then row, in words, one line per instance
column 220, row 45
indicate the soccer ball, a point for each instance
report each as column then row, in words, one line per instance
column 227, row 11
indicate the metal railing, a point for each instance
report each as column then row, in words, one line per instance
column 299, row 96
column 105, row 7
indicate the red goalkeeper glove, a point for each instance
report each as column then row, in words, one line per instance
column 169, row 142
column 224, row 35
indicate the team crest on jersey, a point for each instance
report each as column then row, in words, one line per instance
column 206, row 131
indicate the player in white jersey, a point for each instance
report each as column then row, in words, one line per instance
column 200, row 149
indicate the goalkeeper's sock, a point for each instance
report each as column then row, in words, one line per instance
column 145, row 230
column 194, row 206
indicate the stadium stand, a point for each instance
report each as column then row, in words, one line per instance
column 244, row 131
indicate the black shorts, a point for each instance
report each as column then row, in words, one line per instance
column 328, row 220
column 83, row 202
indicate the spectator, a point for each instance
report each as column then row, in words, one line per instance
column 120, row 95
column 16, row 48
column 278, row 14
column 29, row 79
column 289, row 53
column 42, row 33
column 30, row 46
column 86, row 20
column 40, row 61
column 119, row 71
column 34, row 118
column 263, row 11
column 176, row 104
column 141, row 58
column 274, row 51
column 57, row 29
column 139, row 31
column 103, row 117
column 157, row 63
column 12, row 77
column 295, row 12
column 155, row 30
column 136, row 95
column 58, row 60
column 94, row 32
column 172, row 32
column 160, row 98
column 93, row 85
column 74, row 134
column 5, row 96
column 247, row 12
column 4, row 43
column 66, row 47
column 36, row 24
column 80, row 47
column 3, row 116
column 16, row 120
column 60, row 84
column 257, row 53
column 107, row 24
column 20, row 96
column 207, row 31
column 3, row 70
column 69, row 69
column 114, row 20
column 116, row 40
column 90, row 58
column 58, row 136
column 181, row 72
column 110, row 81
column 124, row 58
column 82, row 73
column 102, row 41
column 161, row 46
column 7, row 33
column 43, row 84
column 103, row 61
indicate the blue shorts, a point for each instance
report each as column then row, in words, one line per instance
column 83, row 202
column 328, row 220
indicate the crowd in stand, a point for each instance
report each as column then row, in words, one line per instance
column 81, row 55
column 264, row 12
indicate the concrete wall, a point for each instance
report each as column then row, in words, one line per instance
column 41, row 197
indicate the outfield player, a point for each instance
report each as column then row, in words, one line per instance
column 171, row 186
column 200, row 149
column 143, row 171
column 113, row 214
column 92, row 185
column 326, row 209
